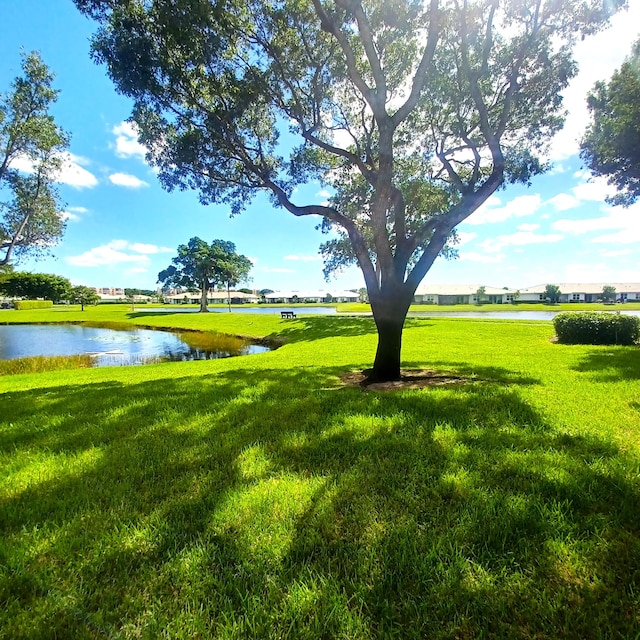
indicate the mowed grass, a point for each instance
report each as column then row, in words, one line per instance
column 258, row 497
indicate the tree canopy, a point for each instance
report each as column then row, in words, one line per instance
column 552, row 293
column 30, row 140
column 35, row 285
column 203, row 266
column 413, row 113
column 611, row 145
column 83, row 296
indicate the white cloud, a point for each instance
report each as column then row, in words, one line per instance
column 73, row 213
column 595, row 190
column 518, row 208
column 465, row 237
column 137, row 270
column 624, row 221
column 303, row 258
column 140, row 247
column 473, row 256
column 69, row 215
column 71, row 172
column 115, row 252
column 323, row 194
column 563, row 201
column 615, row 253
column 520, row 238
column 276, row 270
column 578, row 227
column 597, row 56
column 626, row 236
column 127, row 180
column 127, row 144
column 528, row 227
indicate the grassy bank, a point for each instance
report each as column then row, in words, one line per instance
column 258, row 497
column 487, row 308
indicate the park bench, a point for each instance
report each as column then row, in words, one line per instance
column 287, row 315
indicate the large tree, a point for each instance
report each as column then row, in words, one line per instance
column 35, row 285
column 30, row 219
column 414, row 112
column 203, row 266
column 611, row 145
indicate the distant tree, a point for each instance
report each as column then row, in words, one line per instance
column 202, row 266
column 264, row 292
column 481, row 294
column 35, row 285
column 246, row 290
column 414, row 113
column 363, row 295
column 30, row 219
column 139, row 292
column 83, row 296
column 608, row 293
column 611, row 145
column 515, row 296
column 552, row 293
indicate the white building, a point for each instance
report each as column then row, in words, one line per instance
column 580, row 292
column 462, row 294
column 213, row 297
column 324, row 295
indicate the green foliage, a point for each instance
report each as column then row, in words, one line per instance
column 199, row 265
column 140, row 292
column 35, row 285
column 24, row 305
column 611, row 145
column 592, row 327
column 608, row 293
column 83, row 296
column 437, row 105
column 31, row 220
column 552, row 293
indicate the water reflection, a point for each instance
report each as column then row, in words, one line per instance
column 111, row 346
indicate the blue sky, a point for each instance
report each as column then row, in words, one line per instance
column 123, row 228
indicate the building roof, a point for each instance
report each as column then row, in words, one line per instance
column 459, row 290
column 322, row 293
column 592, row 288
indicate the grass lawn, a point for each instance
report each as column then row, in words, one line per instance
column 258, row 497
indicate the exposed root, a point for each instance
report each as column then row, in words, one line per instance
column 409, row 379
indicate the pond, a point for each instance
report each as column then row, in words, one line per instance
column 242, row 309
column 119, row 347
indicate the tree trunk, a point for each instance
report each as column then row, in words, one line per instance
column 228, row 298
column 203, row 297
column 389, row 312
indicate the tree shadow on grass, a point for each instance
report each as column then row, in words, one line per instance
column 499, row 375
column 266, row 504
column 612, row 364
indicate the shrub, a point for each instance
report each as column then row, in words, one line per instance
column 32, row 304
column 593, row 327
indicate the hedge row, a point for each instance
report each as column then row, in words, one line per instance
column 596, row 327
column 32, row 304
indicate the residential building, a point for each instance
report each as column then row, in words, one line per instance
column 311, row 296
column 462, row 294
column 581, row 292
